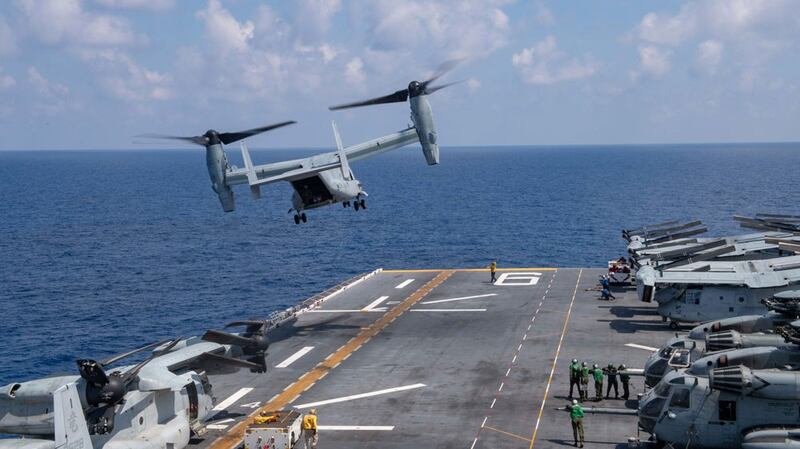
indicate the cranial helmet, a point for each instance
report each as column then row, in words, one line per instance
column 574, row 402
column 574, row 360
column 595, row 366
column 584, row 363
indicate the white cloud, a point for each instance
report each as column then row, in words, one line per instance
column 153, row 5
column 65, row 22
column 45, row 87
column 473, row 84
column 709, row 55
column 543, row 14
column 314, row 17
column 8, row 40
column 6, row 81
column 224, row 32
column 354, row 71
column 654, row 61
column 544, row 63
column 664, row 29
column 124, row 79
column 454, row 28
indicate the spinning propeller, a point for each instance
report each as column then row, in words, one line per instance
column 212, row 137
column 414, row 89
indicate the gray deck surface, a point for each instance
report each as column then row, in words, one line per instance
column 485, row 372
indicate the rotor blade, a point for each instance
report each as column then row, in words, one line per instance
column 441, row 86
column 131, row 373
column 118, row 357
column 397, row 97
column 197, row 140
column 696, row 258
column 208, row 357
column 442, row 69
column 225, row 338
column 228, row 138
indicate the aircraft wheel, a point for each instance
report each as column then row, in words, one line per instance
column 303, row 217
column 356, row 205
column 344, row 204
column 296, row 219
column 363, row 204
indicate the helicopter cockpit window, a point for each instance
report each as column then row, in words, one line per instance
column 666, row 352
column 680, row 358
column 680, row 398
column 662, row 389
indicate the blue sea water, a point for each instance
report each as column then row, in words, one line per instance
column 101, row 251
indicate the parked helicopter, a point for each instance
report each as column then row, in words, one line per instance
column 155, row 404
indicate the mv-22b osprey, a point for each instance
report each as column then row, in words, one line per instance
column 158, row 403
column 325, row 178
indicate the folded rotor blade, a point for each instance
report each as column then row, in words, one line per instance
column 397, row 97
column 228, row 138
column 118, row 357
column 225, row 338
column 687, row 252
column 131, row 373
column 696, row 258
column 232, row 361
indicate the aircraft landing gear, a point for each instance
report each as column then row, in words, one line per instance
column 345, row 204
column 301, row 217
column 356, row 205
column 363, row 203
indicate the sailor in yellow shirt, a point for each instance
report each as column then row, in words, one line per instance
column 310, row 429
column 493, row 269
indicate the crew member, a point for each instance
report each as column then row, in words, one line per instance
column 576, row 417
column 598, row 383
column 625, row 377
column 574, row 377
column 310, row 429
column 584, row 381
column 606, row 294
column 611, row 372
column 493, row 269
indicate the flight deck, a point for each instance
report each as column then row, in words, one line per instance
column 446, row 359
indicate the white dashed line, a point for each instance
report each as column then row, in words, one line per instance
column 294, row 357
column 404, row 283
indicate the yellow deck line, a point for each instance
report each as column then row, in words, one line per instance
column 513, row 435
column 485, row 270
column 234, row 437
column 555, row 360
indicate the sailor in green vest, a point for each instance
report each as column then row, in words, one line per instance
column 574, row 377
column 598, row 382
column 576, row 417
column 584, row 381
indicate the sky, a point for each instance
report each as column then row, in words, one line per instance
column 94, row 74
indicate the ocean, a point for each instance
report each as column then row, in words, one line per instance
column 102, row 251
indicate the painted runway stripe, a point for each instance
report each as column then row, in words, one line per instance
column 555, row 360
column 374, row 304
column 379, row 309
column 448, row 310
column 232, row 399
column 217, row 426
column 360, row 396
column 293, row 358
column 646, row 348
column 458, row 299
column 384, row 428
column 404, row 283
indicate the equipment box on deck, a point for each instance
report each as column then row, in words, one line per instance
column 280, row 430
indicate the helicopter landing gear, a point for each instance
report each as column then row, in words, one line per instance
column 300, row 217
column 345, row 204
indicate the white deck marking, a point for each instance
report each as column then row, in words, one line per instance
column 458, row 299
column 232, row 399
column 379, row 309
column 448, row 310
column 473, row 443
column 374, row 304
column 646, row 348
column 493, row 401
column 293, row 358
column 355, row 427
column 360, row 396
column 485, row 418
column 217, row 426
column 404, row 283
